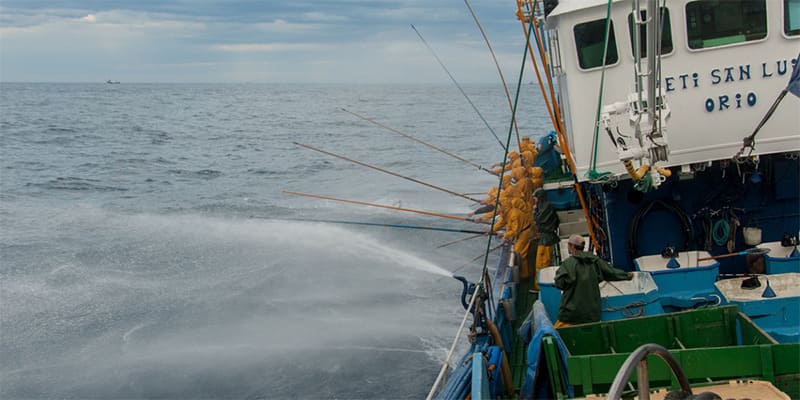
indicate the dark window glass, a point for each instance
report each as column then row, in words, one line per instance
column 589, row 42
column 791, row 17
column 711, row 23
column 666, row 33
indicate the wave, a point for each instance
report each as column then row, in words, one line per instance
column 200, row 174
column 77, row 184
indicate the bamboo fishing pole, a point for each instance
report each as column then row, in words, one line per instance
column 386, row 171
column 458, row 86
column 474, row 259
column 555, row 114
column 363, row 203
column 372, row 121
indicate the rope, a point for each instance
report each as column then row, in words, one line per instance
column 721, row 231
column 452, row 351
column 484, row 280
column 458, row 86
column 505, row 156
column 560, row 134
column 521, row 17
column 630, row 310
column 633, row 229
column 593, row 174
column 499, row 71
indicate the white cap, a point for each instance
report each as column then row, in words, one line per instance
column 576, row 240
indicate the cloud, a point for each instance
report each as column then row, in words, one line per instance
column 267, row 47
column 283, row 26
column 194, row 40
column 324, row 17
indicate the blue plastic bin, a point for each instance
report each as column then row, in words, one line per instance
column 778, row 260
column 690, row 284
column 779, row 316
column 619, row 299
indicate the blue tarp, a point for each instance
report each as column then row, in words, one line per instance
column 537, row 379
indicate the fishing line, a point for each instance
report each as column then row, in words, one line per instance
column 508, row 142
column 386, row 171
column 363, row 203
column 500, row 72
column 461, row 240
column 459, row 87
column 385, row 225
column 416, row 140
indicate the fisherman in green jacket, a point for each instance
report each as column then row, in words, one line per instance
column 579, row 277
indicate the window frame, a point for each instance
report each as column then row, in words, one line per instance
column 785, row 21
column 728, row 45
column 612, row 35
column 671, row 37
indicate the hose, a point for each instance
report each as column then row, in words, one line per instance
column 505, row 369
column 721, row 231
column 633, row 230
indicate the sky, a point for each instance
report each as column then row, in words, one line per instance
column 322, row 41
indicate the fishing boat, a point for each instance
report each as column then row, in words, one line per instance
column 675, row 151
column 677, row 136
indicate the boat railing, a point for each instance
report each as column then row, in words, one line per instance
column 446, row 364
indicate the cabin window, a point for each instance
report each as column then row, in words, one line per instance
column 589, row 42
column 791, row 17
column 712, row 23
column 666, row 33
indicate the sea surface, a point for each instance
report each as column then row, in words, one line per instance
column 147, row 249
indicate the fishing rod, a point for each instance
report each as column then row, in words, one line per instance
column 462, row 240
column 363, row 203
column 755, row 251
column 387, row 171
column 385, row 225
column 458, row 86
column 471, row 261
column 417, row 140
column 499, row 71
column 490, row 251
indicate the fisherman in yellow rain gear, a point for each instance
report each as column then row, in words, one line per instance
column 537, row 176
column 528, row 158
column 518, row 230
column 526, row 145
column 523, row 186
column 487, row 215
column 513, row 161
column 487, row 204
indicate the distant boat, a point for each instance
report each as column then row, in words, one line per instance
column 112, row 82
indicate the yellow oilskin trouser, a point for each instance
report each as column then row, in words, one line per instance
column 544, row 259
column 518, row 229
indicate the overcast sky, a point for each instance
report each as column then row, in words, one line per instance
column 367, row 41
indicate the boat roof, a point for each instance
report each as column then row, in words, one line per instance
column 569, row 6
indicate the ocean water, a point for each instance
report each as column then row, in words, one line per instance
column 147, row 249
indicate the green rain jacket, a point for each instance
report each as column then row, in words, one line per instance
column 579, row 277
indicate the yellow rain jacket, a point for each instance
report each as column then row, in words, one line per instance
column 518, row 229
